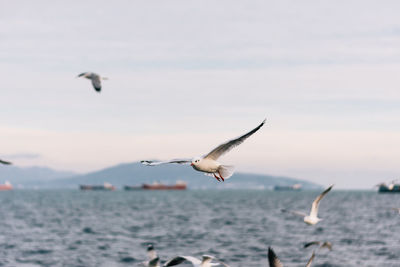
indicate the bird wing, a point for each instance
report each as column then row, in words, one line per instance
column 96, row 82
column 273, row 259
column 311, row 259
column 179, row 259
column 311, row 243
column 294, row 212
column 5, row 162
column 315, row 204
column 154, row 262
column 225, row 147
column 174, row 161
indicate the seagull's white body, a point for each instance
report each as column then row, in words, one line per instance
column 205, row 262
column 312, row 218
column 208, row 163
column 95, row 78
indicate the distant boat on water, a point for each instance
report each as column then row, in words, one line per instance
column 180, row 185
column 295, row 187
column 104, row 187
column 6, row 186
column 392, row 187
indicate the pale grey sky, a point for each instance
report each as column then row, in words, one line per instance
column 188, row 75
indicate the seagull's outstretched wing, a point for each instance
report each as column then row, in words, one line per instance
column 294, row 212
column 179, row 259
column 5, row 162
column 311, row 259
column 225, row 147
column 311, row 243
column 315, row 204
column 96, row 82
column 174, row 161
column 273, row 259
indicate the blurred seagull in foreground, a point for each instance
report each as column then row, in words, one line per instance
column 312, row 218
column 327, row 244
column 205, row 262
column 96, row 79
column 208, row 163
column 5, row 162
column 275, row 262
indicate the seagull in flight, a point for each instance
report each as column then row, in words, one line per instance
column 5, row 162
column 208, row 163
column 96, row 79
column 204, row 262
column 275, row 262
column 312, row 218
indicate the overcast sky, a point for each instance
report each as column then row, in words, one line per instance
column 186, row 75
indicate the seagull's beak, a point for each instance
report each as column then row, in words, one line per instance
column 191, row 164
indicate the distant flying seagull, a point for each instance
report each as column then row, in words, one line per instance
column 205, row 262
column 312, row 218
column 208, row 163
column 96, row 79
column 5, row 162
column 275, row 262
column 326, row 244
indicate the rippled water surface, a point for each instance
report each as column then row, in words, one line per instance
column 73, row 228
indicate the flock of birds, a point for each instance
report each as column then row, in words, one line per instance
column 207, row 261
column 209, row 165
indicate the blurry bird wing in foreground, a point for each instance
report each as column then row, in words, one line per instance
column 175, row 161
column 5, row 162
column 273, row 259
column 225, row 147
column 315, row 204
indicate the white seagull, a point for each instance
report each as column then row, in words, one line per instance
column 312, row 218
column 5, row 162
column 208, row 163
column 204, row 262
column 275, row 262
column 96, row 79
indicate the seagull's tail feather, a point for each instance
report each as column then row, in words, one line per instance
column 226, row 171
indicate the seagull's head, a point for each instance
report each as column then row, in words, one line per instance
column 195, row 161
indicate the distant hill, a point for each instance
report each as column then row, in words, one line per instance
column 137, row 174
column 31, row 176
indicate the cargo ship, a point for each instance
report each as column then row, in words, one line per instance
column 295, row 187
column 392, row 187
column 180, row 185
column 6, row 186
column 105, row 187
